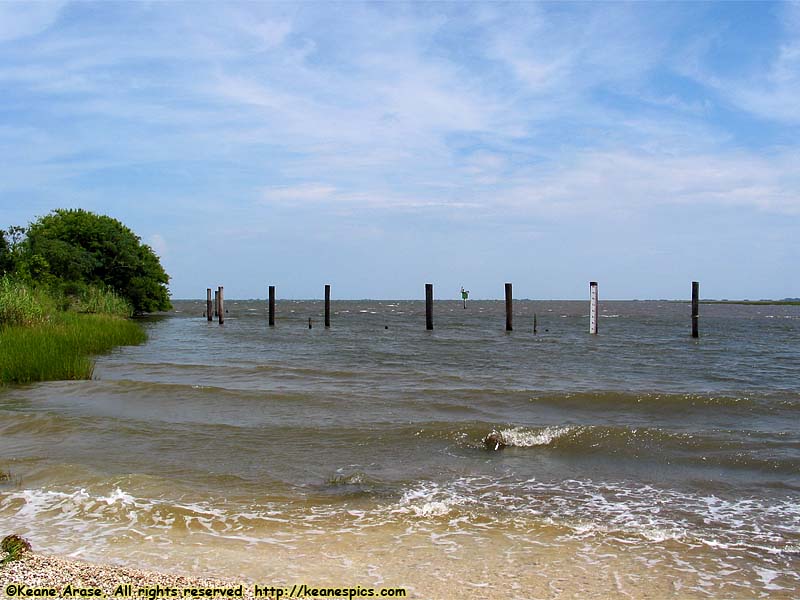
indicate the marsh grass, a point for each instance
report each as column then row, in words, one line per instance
column 103, row 301
column 22, row 305
column 61, row 348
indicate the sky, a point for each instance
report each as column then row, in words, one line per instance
column 380, row 146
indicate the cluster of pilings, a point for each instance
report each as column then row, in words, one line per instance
column 217, row 309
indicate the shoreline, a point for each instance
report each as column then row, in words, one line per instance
column 607, row 578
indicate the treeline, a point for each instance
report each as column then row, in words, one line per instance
column 77, row 260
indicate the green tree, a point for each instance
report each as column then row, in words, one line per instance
column 6, row 258
column 11, row 250
column 78, row 248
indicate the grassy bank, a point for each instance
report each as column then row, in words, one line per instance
column 61, row 348
column 39, row 342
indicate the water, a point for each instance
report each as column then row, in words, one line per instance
column 638, row 460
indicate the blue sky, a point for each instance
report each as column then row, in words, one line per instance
column 380, row 146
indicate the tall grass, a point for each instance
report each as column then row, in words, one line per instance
column 103, row 301
column 22, row 305
column 60, row 348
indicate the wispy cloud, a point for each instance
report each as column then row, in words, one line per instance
column 614, row 182
column 769, row 90
column 23, row 19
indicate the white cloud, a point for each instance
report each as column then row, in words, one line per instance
column 302, row 193
column 620, row 182
column 23, row 19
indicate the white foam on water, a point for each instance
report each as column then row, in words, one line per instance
column 430, row 500
column 117, row 496
column 767, row 576
column 754, row 533
column 525, row 438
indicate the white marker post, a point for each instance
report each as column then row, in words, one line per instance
column 593, row 307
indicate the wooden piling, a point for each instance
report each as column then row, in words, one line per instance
column 327, row 305
column 593, row 307
column 534, row 323
column 221, row 306
column 216, row 302
column 509, row 308
column 695, row 309
column 209, row 305
column 309, row 322
column 428, row 306
column 272, row 306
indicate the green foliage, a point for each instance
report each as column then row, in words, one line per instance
column 20, row 304
column 60, row 348
column 74, row 247
column 10, row 249
column 14, row 546
column 6, row 258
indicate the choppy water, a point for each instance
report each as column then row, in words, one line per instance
column 291, row 452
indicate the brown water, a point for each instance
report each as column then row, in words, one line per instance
column 640, row 461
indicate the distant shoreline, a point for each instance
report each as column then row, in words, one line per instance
column 754, row 302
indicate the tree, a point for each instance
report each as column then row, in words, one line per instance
column 6, row 258
column 77, row 247
column 11, row 243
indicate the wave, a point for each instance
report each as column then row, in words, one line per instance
column 577, row 507
column 237, row 428
column 772, row 453
column 758, row 531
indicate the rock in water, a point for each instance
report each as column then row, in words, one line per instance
column 494, row 441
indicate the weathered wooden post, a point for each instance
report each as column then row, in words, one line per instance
column 209, row 305
column 327, row 305
column 534, row 323
column 216, row 302
column 509, row 308
column 428, row 306
column 309, row 322
column 221, row 306
column 272, row 306
column 593, row 307
column 695, row 309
